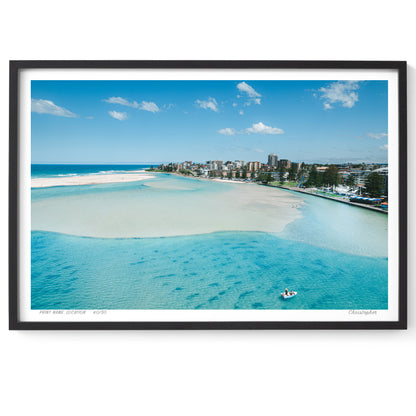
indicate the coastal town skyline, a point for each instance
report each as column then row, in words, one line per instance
column 153, row 122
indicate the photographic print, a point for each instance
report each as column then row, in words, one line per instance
column 200, row 195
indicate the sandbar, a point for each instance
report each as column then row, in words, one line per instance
column 88, row 180
column 168, row 206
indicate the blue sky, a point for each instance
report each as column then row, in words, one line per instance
column 163, row 121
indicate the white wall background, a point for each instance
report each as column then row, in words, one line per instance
column 207, row 373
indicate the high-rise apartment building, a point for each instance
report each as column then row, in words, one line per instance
column 284, row 163
column 273, row 160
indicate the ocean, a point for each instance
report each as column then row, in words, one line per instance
column 54, row 171
column 334, row 255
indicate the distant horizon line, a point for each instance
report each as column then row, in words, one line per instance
column 96, row 163
column 160, row 163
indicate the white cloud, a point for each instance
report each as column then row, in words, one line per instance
column 149, row 106
column 48, row 107
column 121, row 101
column 227, row 131
column 211, row 104
column 168, row 106
column 144, row 105
column 343, row 93
column 384, row 147
column 377, row 135
column 117, row 115
column 263, row 129
column 257, row 128
column 258, row 150
column 250, row 91
column 241, row 112
column 234, row 104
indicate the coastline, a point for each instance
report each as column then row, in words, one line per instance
column 355, row 204
column 208, row 179
column 89, row 180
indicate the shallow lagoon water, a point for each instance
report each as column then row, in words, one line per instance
column 338, row 226
column 333, row 254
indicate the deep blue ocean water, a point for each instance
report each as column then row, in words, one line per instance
column 225, row 270
column 47, row 171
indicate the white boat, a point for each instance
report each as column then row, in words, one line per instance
column 289, row 294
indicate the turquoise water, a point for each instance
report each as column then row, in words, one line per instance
column 335, row 256
column 338, row 226
column 214, row 271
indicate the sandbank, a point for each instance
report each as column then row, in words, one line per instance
column 227, row 181
column 88, row 180
column 168, row 207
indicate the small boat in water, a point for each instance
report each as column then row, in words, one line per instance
column 287, row 295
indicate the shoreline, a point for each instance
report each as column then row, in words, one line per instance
column 89, row 180
column 355, row 204
column 208, row 179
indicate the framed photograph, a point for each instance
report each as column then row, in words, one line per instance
column 208, row 195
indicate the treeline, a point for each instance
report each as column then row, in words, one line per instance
column 329, row 177
column 374, row 182
column 166, row 168
column 374, row 185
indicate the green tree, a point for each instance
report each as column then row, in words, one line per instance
column 331, row 176
column 244, row 173
column 293, row 172
column 313, row 177
column 319, row 179
column 237, row 174
column 374, row 185
column 265, row 177
column 350, row 182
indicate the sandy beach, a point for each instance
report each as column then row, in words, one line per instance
column 227, row 181
column 168, row 207
column 89, row 180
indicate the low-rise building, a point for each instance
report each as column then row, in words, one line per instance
column 239, row 164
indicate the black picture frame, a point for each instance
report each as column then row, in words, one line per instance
column 16, row 66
